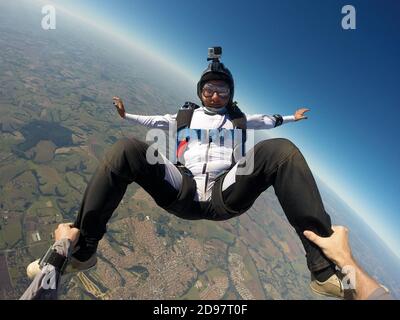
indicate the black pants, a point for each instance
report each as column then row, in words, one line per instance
column 277, row 163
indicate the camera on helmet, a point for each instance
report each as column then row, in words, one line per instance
column 214, row 53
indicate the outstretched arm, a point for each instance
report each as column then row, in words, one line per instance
column 263, row 121
column 160, row 122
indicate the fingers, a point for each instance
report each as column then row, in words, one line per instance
column 64, row 225
column 116, row 100
column 75, row 232
column 67, row 231
column 299, row 114
column 340, row 229
column 74, row 236
column 313, row 237
column 302, row 111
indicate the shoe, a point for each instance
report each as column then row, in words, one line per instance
column 332, row 287
column 73, row 266
column 76, row 265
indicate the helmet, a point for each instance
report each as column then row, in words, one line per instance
column 216, row 71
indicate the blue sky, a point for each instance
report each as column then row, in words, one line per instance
column 288, row 54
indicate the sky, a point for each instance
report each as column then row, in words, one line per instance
column 290, row 54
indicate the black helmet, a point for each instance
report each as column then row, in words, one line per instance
column 216, row 71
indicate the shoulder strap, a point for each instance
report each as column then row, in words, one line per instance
column 239, row 121
column 237, row 117
column 183, row 120
column 185, row 114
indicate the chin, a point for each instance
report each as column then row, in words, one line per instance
column 216, row 105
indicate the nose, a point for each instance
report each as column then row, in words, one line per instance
column 215, row 96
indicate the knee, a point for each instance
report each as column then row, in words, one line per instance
column 124, row 151
column 285, row 145
column 280, row 146
column 126, row 146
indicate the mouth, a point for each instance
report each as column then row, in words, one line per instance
column 216, row 104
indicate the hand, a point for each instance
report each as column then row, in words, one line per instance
column 117, row 102
column 299, row 114
column 336, row 247
column 67, row 231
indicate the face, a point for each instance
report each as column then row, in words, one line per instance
column 215, row 94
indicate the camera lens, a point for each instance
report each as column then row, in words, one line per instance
column 217, row 50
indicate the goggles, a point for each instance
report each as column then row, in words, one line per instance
column 222, row 90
